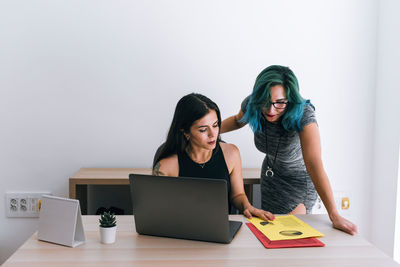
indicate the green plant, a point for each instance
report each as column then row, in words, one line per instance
column 107, row 219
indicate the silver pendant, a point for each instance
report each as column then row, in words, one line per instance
column 269, row 172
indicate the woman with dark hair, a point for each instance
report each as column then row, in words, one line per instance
column 193, row 149
column 286, row 130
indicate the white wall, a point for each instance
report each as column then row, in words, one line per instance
column 94, row 84
column 396, row 245
column 387, row 129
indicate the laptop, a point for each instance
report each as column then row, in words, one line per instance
column 181, row 207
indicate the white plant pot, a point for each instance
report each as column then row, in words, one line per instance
column 107, row 234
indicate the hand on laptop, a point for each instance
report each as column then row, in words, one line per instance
column 262, row 214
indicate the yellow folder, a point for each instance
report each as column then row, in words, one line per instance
column 284, row 228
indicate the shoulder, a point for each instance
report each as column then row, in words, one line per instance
column 228, row 148
column 308, row 115
column 231, row 154
column 168, row 166
column 308, row 109
column 243, row 106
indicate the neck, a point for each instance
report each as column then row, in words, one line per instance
column 199, row 155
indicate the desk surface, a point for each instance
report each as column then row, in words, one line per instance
column 245, row 250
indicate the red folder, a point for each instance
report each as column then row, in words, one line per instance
column 292, row 243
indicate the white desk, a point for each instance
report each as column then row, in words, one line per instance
column 132, row 249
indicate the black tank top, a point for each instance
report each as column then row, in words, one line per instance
column 215, row 168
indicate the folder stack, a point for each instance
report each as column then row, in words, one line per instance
column 285, row 232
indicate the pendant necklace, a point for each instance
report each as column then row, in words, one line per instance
column 200, row 164
column 269, row 172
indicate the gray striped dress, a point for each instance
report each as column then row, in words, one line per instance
column 291, row 184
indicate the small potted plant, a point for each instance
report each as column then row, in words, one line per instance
column 108, row 228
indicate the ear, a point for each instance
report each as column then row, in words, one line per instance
column 187, row 136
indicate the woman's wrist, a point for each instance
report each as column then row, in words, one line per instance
column 333, row 214
column 241, row 202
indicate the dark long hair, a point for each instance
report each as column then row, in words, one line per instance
column 189, row 109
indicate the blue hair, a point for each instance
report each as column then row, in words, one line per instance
column 261, row 96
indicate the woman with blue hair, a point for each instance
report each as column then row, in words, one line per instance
column 286, row 130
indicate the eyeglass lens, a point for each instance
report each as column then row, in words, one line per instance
column 277, row 105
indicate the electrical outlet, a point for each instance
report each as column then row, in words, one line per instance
column 23, row 204
column 342, row 201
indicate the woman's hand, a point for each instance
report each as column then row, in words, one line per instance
column 262, row 214
column 242, row 203
column 344, row 225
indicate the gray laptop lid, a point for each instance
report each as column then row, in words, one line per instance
column 189, row 208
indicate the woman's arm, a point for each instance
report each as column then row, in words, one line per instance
column 311, row 149
column 232, row 123
column 239, row 198
column 167, row 167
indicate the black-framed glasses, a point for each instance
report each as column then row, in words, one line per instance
column 277, row 104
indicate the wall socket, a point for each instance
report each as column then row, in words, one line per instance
column 23, row 204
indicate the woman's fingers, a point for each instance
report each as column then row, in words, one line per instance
column 262, row 214
column 247, row 213
column 351, row 228
column 354, row 228
column 345, row 225
column 346, row 229
column 268, row 216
